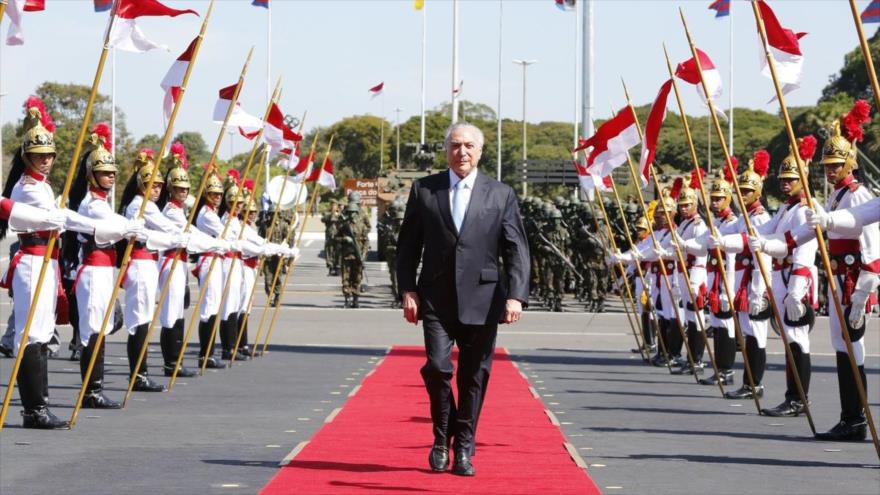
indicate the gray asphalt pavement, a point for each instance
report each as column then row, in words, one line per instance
column 638, row 429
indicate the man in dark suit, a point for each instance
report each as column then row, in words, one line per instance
column 460, row 224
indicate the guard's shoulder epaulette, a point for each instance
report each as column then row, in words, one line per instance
column 27, row 180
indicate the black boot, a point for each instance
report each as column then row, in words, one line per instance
column 243, row 348
column 674, row 342
column 354, row 301
column 853, row 426
column 725, row 353
column 175, row 344
column 227, row 336
column 205, row 353
column 44, row 372
column 31, row 383
column 659, row 359
column 695, row 343
column 792, row 405
column 757, row 362
column 95, row 398
column 136, row 342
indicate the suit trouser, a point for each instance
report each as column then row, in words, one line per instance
column 476, row 345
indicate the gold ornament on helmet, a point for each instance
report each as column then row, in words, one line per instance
column 642, row 224
column 751, row 181
column 214, row 184
column 788, row 169
column 144, row 157
column 722, row 186
column 38, row 128
column 844, row 133
column 232, row 193
column 144, row 174
column 98, row 156
column 250, row 198
column 178, row 177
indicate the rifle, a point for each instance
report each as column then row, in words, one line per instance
column 560, row 255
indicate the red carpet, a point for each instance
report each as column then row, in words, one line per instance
column 380, row 440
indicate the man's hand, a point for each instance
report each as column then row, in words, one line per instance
column 512, row 311
column 411, row 307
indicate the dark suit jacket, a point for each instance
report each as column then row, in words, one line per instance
column 461, row 277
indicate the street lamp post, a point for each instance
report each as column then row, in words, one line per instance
column 397, row 111
column 525, row 157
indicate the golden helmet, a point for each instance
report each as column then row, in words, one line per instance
column 688, row 193
column 144, row 157
column 37, row 138
column 143, row 176
column 250, row 203
column 178, row 177
column 642, row 223
column 214, row 184
column 789, row 167
column 752, row 178
column 99, row 159
column 844, row 133
column 232, row 192
column 720, row 188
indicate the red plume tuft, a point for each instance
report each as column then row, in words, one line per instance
column 234, row 175
column 148, row 151
column 730, row 170
column 807, row 148
column 695, row 182
column 853, row 120
column 249, row 185
column 103, row 130
column 45, row 118
column 178, row 149
column 676, row 188
column 761, row 162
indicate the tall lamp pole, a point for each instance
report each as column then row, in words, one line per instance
column 525, row 156
column 397, row 111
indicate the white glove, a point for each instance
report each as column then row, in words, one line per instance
column 636, row 254
column 797, row 290
column 757, row 303
column 235, row 245
column 664, row 253
column 756, row 243
column 865, row 286
column 292, row 252
column 731, row 243
column 135, row 228
column 220, row 247
column 818, row 217
column 181, row 240
column 723, row 302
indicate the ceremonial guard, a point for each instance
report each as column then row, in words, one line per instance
column 233, row 202
column 27, row 185
column 721, row 324
column 142, row 273
column 691, row 226
column 751, row 302
column 794, row 278
column 642, row 294
column 854, row 249
column 351, row 259
column 209, row 222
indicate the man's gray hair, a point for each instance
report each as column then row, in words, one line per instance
column 464, row 125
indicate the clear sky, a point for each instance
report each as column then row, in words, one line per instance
column 330, row 52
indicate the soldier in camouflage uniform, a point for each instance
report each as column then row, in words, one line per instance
column 331, row 220
column 555, row 268
column 389, row 229
column 283, row 225
column 350, row 239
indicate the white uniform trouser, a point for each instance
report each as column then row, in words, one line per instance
column 24, row 281
column 749, row 326
column 94, row 286
column 140, row 286
column 172, row 307
column 798, row 335
column 836, row 337
column 669, row 308
column 213, row 288
column 637, row 295
column 696, row 279
column 714, row 321
column 249, row 275
column 232, row 276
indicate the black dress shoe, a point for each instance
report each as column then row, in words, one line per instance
column 745, row 392
column 244, row 351
column 846, row 432
column 76, row 354
column 787, row 408
column 143, row 383
column 43, row 419
column 658, row 361
column 687, row 369
column 439, row 458
column 182, row 372
column 6, row 351
column 725, row 376
column 97, row 400
column 213, row 363
column 463, row 466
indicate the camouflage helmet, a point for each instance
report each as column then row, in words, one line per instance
column 36, row 138
column 559, row 201
column 555, row 214
column 143, row 176
column 352, row 207
column 354, row 197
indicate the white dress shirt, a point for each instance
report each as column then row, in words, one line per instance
column 467, row 187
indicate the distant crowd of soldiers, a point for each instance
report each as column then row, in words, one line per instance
column 347, row 244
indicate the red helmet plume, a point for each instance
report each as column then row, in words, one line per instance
column 761, row 162
column 730, row 170
column 676, row 188
column 249, row 184
column 103, row 130
column 853, row 120
column 45, row 119
column 807, row 147
column 695, row 181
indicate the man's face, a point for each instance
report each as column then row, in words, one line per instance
column 790, row 187
column 214, row 199
column 719, row 203
column 179, row 194
column 835, row 172
column 687, row 210
column 42, row 162
column 105, row 180
column 463, row 151
column 156, row 191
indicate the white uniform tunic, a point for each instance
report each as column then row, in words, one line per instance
column 142, row 276
column 252, row 249
column 716, row 294
column 643, row 247
column 666, row 304
column 232, row 270
column 747, row 268
column 208, row 222
column 691, row 228
column 853, row 255
column 172, row 307
column 800, row 262
column 96, row 274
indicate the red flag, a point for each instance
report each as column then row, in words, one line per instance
column 612, row 142
column 126, row 35
column 324, row 175
column 132, row 9
column 652, row 131
column 785, row 50
column 173, row 79
column 377, row 89
column 687, row 71
column 280, row 137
